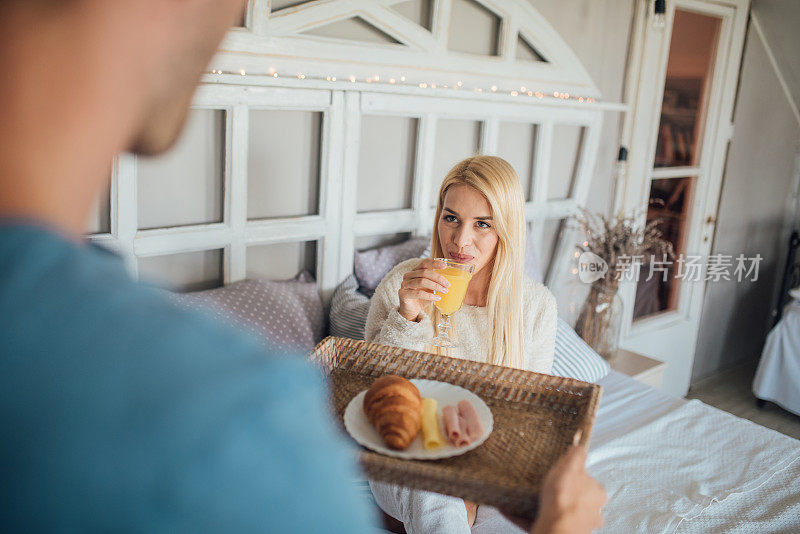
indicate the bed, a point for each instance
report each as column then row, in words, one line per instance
column 668, row 464
column 750, row 475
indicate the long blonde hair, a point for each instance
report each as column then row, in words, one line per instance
column 496, row 180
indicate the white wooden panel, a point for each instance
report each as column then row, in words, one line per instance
column 456, row 139
column 164, row 241
column 190, row 271
column 386, row 162
column 425, row 174
column 517, row 145
column 281, row 261
column 283, row 230
column 384, row 222
column 374, row 241
column 257, row 92
column 192, row 171
column 567, row 150
column 352, row 29
column 352, row 135
column 490, row 131
column 458, row 104
column 283, row 163
column 551, row 232
column 476, row 29
column 124, row 207
column 418, row 11
column 236, row 193
column 99, row 221
column 399, row 27
column 331, row 183
column 537, row 210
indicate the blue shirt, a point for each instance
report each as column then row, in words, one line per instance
column 122, row 412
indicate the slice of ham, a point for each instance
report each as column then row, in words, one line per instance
column 472, row 423
column 456, row 433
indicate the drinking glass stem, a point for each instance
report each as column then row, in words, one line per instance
column 444, row 326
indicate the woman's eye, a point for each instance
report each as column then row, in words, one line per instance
column 450, row 218
column 483, row 224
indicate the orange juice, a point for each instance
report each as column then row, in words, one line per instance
column 452, row 300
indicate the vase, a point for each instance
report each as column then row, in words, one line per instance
column 600, row 318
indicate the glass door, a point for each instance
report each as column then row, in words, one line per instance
column 681, row 87
column 676, row 166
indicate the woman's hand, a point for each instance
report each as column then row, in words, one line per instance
column 416, row 291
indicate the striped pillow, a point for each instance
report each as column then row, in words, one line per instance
column 349, row 309
column 574, row 358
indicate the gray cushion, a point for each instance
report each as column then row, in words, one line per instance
column 349, row 309
column 372, row 265
column 287, row 315
column 532, row 267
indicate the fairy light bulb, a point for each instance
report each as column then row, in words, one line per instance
column 243, row 72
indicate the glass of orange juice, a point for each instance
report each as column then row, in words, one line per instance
column 459, row 275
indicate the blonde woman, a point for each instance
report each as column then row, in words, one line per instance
column 507, row 319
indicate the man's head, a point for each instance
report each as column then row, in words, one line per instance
column 83, row 80
column 199, row 26
column 157, row 48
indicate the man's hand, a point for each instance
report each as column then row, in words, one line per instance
column 571, row 500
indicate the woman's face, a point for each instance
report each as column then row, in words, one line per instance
column 466, row 230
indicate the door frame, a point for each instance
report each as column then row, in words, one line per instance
column 644, row 90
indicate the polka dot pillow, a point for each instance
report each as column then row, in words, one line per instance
column 286, row 315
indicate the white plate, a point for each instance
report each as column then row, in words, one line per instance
column 359, row 427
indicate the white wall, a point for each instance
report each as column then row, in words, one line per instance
column 598, row 32
column 757, row 182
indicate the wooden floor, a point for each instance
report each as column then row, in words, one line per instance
column 731, row 391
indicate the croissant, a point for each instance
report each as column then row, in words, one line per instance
column 393, row 406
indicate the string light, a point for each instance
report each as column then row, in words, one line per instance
column 523, row 90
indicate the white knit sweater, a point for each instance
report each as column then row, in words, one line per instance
column 471, row 324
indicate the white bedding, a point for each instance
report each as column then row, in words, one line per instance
column 671, row 465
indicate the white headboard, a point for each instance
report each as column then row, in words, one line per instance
column 537, row 108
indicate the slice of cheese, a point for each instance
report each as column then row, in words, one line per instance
column 431, row 433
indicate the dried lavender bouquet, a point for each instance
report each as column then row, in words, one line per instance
column 621, row 237
column 617, row 240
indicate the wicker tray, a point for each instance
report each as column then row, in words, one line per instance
column 535, row 419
